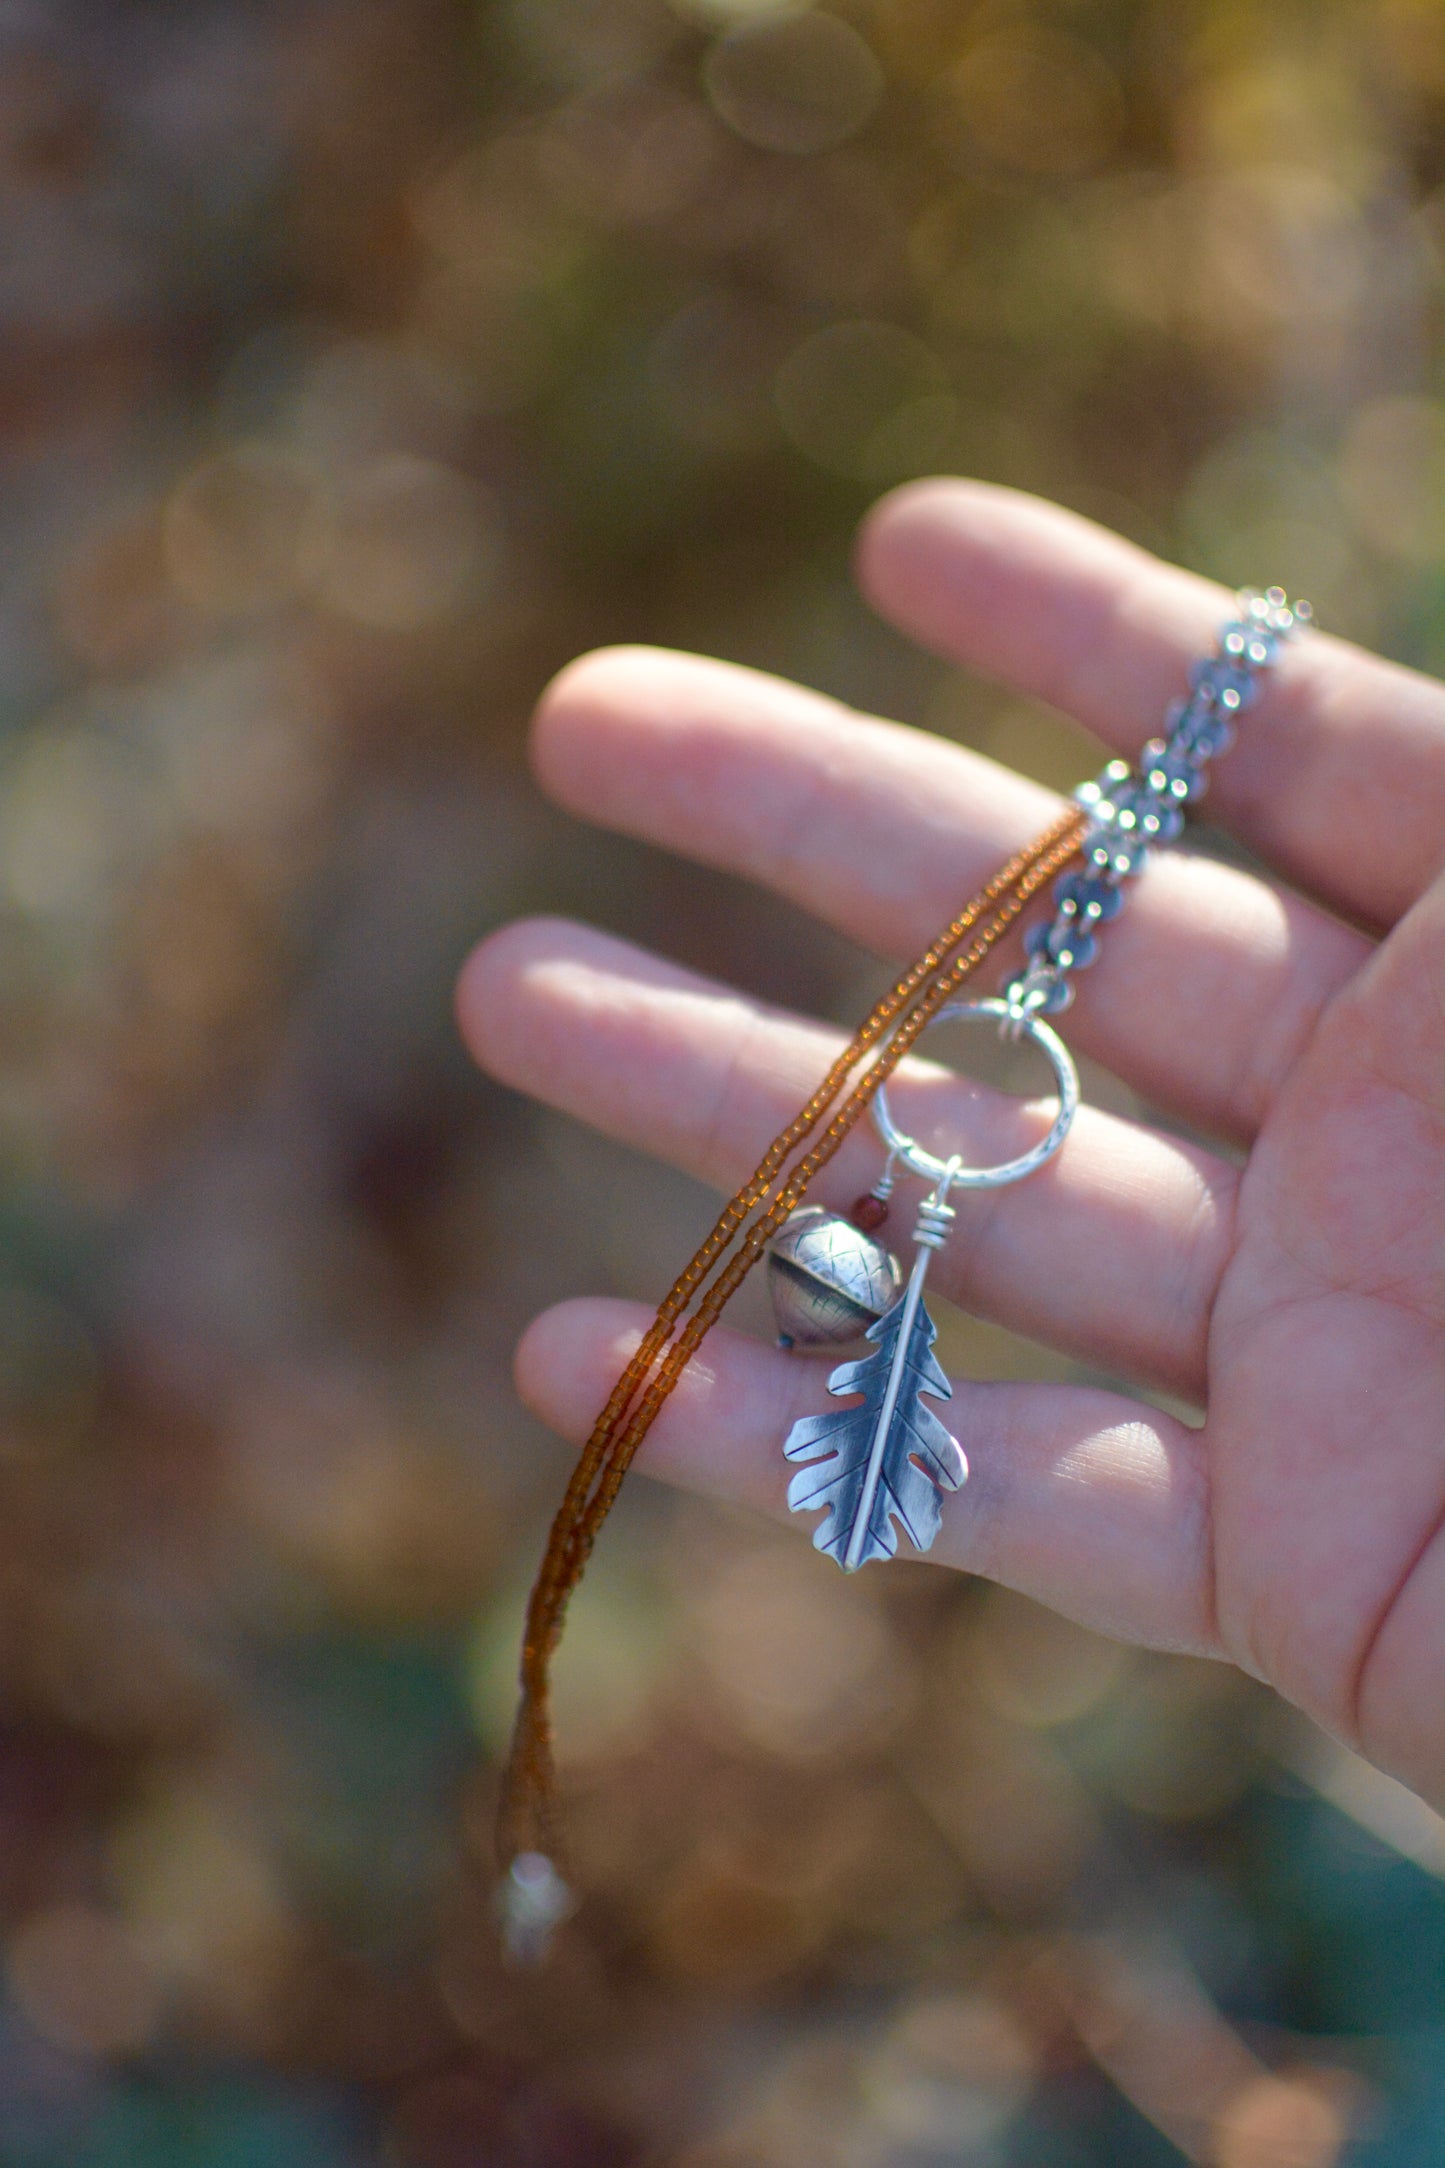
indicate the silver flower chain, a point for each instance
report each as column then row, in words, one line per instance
column 1134, row 808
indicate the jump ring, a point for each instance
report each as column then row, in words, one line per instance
column 1066, row 1077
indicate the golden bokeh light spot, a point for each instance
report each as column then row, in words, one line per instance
column 794, row 83
column 1294, row 108
column 1280, row 2122
column 1138, row 248
column 201, row 935
column 1392, row 474
column 726, row 14
column 82, row 1982
column 577, row 44
column 241, row 530
column 1039, row 1669
column 860, row 398
column 394, row 1527
column 637, row 161
column 361, row 400
column 115, row 606
column 1277, row 246
column 201, row 1896
column 802, row 1667
column 1038, row 100
column 407, row 539
column 725, row 1921
column 73, row 814
column 1412, row 37
column 953, row 2072
column 1263, row 499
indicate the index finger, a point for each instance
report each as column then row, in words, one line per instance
column 1338, row 777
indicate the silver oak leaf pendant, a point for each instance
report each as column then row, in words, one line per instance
column 888, row 1458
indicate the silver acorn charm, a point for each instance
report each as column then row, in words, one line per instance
column 829, row 1281
column 882, row 1463
column 886, row 1457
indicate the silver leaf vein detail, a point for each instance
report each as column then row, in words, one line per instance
column 886, row 1459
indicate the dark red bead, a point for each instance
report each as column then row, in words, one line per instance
column 868, row 1213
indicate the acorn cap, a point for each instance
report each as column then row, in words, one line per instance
column 829, row 1281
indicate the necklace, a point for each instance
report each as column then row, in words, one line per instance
column 887, row 1459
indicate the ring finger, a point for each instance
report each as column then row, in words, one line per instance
column 1093, row 1504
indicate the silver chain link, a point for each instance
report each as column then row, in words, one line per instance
column 1134, row 808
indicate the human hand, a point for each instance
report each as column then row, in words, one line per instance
column 1298, row 1299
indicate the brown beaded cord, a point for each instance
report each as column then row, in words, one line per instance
column 527, row 1825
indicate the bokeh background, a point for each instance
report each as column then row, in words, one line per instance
column 362, row 360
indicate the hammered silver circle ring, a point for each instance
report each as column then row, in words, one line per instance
column 912, row 1155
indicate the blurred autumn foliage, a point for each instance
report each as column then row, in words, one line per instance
column 362, row 361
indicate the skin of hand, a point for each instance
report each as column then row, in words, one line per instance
column 1298, row 1299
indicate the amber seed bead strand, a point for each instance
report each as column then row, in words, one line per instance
column 528, row 1838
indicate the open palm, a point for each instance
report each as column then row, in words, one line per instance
column 1300, row 1299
